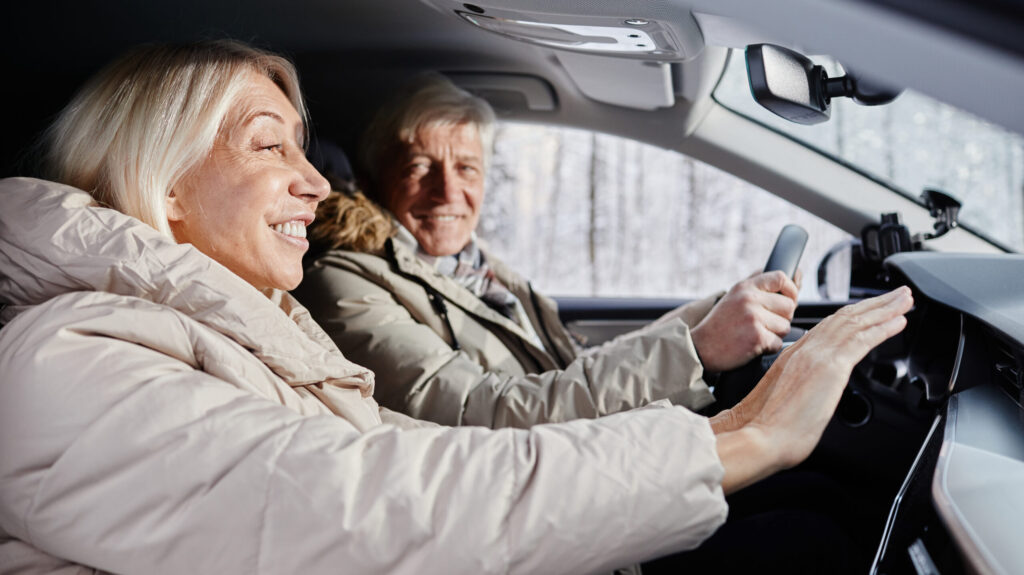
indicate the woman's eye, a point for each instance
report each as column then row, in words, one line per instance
column 263, row 146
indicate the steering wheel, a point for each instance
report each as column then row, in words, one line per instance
column 733, row 385
column 789, row 246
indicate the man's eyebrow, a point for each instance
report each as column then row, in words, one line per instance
column 420, row 153
column 412, row 153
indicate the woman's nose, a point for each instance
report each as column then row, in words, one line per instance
column 310, row 183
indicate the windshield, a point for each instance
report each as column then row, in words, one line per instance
column 912, row 144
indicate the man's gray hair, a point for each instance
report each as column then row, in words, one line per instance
column 429, row 100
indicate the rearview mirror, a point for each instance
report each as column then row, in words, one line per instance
column 791, row 86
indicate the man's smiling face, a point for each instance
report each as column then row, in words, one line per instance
column 435, row 186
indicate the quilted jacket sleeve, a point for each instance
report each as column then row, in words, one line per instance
column 118, row 456
column 419, row 373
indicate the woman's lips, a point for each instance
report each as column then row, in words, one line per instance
column 293, row 232
column 294, row 229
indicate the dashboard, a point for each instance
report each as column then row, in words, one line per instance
column 931, row 427
column 961, row 507
column 929, row 435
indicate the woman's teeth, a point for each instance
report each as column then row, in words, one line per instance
column 444, row 218
column 295, row 229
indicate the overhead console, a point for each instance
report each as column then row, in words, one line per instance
column 630, row 29
column 619, row 52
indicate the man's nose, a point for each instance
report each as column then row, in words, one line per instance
column 447, row 185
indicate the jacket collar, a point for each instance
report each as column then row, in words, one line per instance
column 54, row 240
column 405, row 260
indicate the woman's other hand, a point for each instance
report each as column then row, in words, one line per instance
column 780, row 422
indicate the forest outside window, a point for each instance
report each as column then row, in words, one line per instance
column 587, row 214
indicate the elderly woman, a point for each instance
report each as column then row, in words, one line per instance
column 454, row 335
column 165, row 406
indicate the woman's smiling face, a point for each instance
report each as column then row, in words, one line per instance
column 247, row 204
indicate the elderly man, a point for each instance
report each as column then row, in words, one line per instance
column 456, row 337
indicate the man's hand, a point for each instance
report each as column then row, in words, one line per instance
column 750, row 320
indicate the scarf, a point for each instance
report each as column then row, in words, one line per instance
column 470, row 270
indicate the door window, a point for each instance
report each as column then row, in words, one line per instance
column 587, row 214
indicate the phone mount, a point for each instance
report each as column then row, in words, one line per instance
column 891, row 236
column 946, row 211
column 881, row 240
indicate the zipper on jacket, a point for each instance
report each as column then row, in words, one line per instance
column 437, row 300
column 435, row 297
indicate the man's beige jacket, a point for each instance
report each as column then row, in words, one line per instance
column 159, row 415
column 384, row 312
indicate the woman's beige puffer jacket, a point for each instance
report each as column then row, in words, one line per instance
column 160, row 415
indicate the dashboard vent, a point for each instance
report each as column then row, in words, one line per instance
column 1006, row 368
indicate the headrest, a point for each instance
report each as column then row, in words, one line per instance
column 330, row 160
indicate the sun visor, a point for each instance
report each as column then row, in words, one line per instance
column 628, row 83
column 627, row 29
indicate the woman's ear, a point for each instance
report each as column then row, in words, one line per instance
column 175, row 211
column 176, row 215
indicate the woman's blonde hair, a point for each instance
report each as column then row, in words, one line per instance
column 137, row 128
column 429, row 100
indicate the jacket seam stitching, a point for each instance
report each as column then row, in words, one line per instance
column 266, row 497
column 555, row 352
column 511, row 504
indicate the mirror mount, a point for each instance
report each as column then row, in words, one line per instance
column 793, row 87
column 946, row 211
